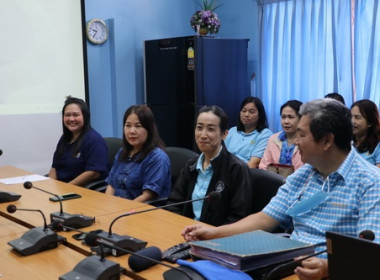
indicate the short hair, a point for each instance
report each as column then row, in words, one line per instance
column 67, row 134
column 336, row 96
column 146, row 118
column 329, row 116
column 370, row 112
column 262, row 122
column 217, row 111
column 294, row 104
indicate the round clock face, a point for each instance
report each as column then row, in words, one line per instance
column 97, row 31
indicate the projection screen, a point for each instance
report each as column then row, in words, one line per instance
column 42, row 60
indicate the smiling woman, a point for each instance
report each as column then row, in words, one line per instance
column 214, row 170
column 81, row 156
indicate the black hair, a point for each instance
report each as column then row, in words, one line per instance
column 370, row 112
column 146, row 118
column 67, row 134
column 262, row 122
column 329, row 116
column 217, row 111
column 294, row 104
column 336, row 96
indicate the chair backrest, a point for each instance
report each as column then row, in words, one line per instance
column 178, row 157
column 265, row 186
column 113, row 144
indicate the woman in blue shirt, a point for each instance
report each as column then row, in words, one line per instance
column 249, row 138
column 81, row 155
column 366, row 130
column 141, row 170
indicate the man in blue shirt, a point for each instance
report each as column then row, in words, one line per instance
column 336, row 190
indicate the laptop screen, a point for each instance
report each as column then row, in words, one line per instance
column 351, row 258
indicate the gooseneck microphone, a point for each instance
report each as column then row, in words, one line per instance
column 12, row 209
column 212, row 196
column 36, row 239
column 133, row 244
column 28, row 185
column 69, row 220
column 147, row 257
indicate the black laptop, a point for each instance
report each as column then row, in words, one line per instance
column 351, row 258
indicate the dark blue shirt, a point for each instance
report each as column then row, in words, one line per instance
column 92, row 156
column 129, row 178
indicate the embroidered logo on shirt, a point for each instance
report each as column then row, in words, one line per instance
column 219, row 186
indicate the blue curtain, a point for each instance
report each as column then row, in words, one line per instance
column 306, row 52
column 367, row 50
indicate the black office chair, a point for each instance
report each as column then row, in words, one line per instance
column 265, row 186
column 178, row 157
column 113, row 144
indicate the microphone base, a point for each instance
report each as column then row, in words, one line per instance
column 72, row 220
column 36, row 240
column 9, row 196
column 94, row 267
column 122, row 241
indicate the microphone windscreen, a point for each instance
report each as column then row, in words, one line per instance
column 91, row 239
column 11, row 208
column 138, row 264
column 28, row 185
column 214, row 196
column 367, row 234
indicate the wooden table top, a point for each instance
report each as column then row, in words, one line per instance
column 159, row 228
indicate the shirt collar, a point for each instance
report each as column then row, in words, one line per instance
column 199, row 165
column 282, row 136
column 250, row 133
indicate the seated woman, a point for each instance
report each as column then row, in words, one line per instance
column 214, row 170
column 141, row 170
column 366, row 130
column 81, row 154
column 249, row 138
column 281, row 148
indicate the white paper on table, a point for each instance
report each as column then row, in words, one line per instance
column 22, row 179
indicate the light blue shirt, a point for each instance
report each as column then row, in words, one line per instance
column 201, row 186
column 247, row 145
column 373, row 158
column 352, row 204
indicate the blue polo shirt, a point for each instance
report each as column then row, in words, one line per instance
column 247, row 145
column 373, row 158
column 129, row 178
column 91, row 156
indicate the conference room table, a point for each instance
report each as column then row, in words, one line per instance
column 49, row 264
column 158, row 228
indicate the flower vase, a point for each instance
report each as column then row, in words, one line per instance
column 203, row 31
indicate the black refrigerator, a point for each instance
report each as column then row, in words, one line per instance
column 185, row 73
